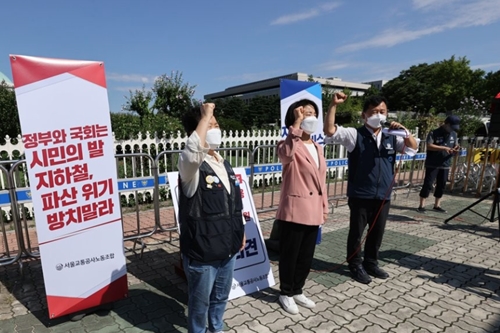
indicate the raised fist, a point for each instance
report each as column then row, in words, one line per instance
column 339, row 98
column 207, row 110
column 299, row 113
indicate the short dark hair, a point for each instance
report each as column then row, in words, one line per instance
column 374, row 101
column 290, row 116
column 191, row 118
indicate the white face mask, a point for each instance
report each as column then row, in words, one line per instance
column 309, row 124
column 214, row 138
column 376, row 120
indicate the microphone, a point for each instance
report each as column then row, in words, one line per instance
column 388, row 124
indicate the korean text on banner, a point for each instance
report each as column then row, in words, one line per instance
column 252, row 270
column 66, row 131
column 292, row 91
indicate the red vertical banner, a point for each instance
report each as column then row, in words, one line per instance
column 66, row 130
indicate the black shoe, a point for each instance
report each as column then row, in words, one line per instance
column 439, row 209
column 359, row 274
column 421, row 209
column 376, row 271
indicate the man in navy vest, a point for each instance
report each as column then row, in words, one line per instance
column 211, row 220
column 442, row 145
column 371, row 159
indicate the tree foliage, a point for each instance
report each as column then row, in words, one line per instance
column 157, row 110
column 347, row 113
column 231, row 108
column 470, row 112
column 8, row 112
column 490, row 87
column 128, row 125
column 172, row 96
column 140, row 103
column 263, row 111
column 440, row 86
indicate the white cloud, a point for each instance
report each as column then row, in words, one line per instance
column 389, row 38
column 131, row 78
column 302, row 16
column 430, row 4
column 336, row 65
column 484, row 66
column 482, row 12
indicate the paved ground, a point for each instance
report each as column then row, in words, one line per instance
column 444, row 278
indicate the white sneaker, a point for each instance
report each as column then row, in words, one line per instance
column 288, row 304
column 304, row 301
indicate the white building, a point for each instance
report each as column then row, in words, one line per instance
column 377, row 84
column 271, row 87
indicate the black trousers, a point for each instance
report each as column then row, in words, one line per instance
column 431, row 175
column 297, row 244
column 364, row 212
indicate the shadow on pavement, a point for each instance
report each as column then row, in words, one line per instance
column 158, row 304
column 489, row 230
column 154, row 303
column 483, row 282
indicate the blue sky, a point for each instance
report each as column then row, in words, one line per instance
column 218, row 44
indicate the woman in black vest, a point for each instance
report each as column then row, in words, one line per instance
column 210, row 218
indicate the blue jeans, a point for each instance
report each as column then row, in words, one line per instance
column 209, row 285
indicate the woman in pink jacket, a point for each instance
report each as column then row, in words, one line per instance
column 303, row 204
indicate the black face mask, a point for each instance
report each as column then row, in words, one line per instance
column 447, row 128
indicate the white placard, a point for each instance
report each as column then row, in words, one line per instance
column 66, row 128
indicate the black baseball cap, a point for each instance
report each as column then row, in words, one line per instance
column 454, row 122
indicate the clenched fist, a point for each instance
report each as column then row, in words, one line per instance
column 207, row 110
column 338, row 98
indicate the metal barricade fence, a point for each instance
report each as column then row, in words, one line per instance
column 143, row 181
column 265, row 177
column 476, row 167
column 135, row 183
column 336, row 175
column 166, row 161
column 22, row 208
column 10, row 248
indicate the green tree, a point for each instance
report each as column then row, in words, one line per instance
column 263, row 110
column 8, row 112
column 128, row 125
column 491, row 87
column 441, row 85
column 372, row 91
column 470, row 112
column 348, row 113
column 411, row 90
column 228, row 124
column 172, row 95
column 231, row 108
column 139, row 102
column 453, row 81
